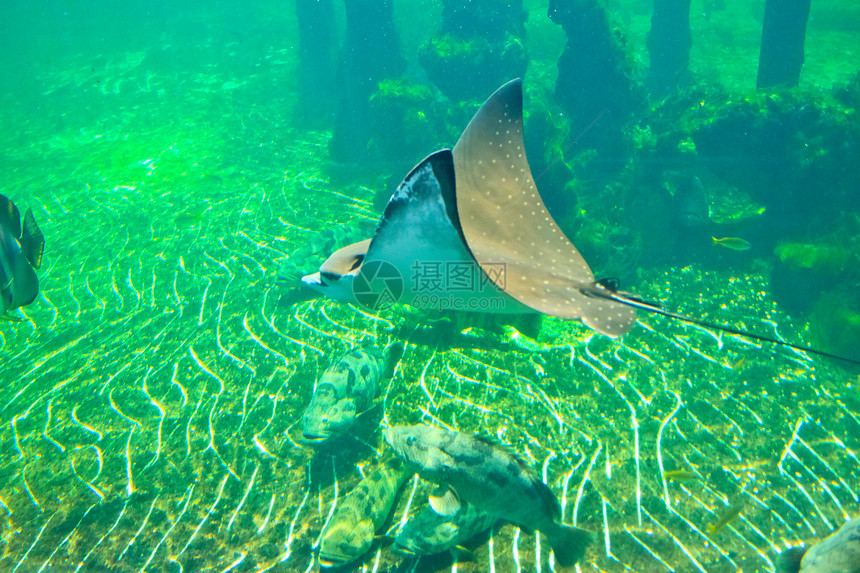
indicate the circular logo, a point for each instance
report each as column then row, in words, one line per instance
column 378, row 285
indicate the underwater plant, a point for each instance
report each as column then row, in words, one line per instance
column 835, row 323
column 828, row 259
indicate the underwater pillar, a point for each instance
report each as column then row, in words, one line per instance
column 593, row 84
column 669, row 43
column 782, row 37
column 317, row 45
column 370, row 53
column 711, row 6
column 479, row 47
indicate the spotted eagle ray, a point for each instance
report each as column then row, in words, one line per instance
column 478, row 205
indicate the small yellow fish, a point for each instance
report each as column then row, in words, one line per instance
column 680, row 476
column 732, row 512
column 732, row 243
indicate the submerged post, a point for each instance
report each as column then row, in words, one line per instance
column 593, row 85
column 317, row 44
column 480, row 46
column 782, row 37
column 371, row 52
column 669, row 43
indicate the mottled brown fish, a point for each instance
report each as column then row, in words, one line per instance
column 346, row 389
column 428, row 532
column 691, row 204
column 350, row 532
column 491, row 479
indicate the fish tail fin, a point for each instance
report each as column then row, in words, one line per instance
column 569, row 544
column 32, row 241
column 789, row 561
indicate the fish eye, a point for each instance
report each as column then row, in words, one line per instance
column 329, row 277
column 410, row 440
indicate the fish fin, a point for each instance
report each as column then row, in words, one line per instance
column 569, row 544
column 369, row 408
column 526, row 530
column 364, row 529
column 10, row 318
column 548, row 499
column 500, row 446
column 396, row 464
column 384, row 540
column 448, row 530
column 32, row 242
column 445, row 501
column 9, row 216
column 460, row 554
column 789, row 561
column 609, row 283
column 393, row 355
column 528, row 325
column 488, row 441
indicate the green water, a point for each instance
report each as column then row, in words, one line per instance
column 151, row 400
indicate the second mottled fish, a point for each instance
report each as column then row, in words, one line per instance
column 485, row 475
column 429, row 533
column 350, row 532
column 346, row 389
column 691, row 204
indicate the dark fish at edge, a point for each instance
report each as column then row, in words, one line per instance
column 20, row 253
column 838, row 553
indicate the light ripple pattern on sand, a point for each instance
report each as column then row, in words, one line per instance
column 160, row 376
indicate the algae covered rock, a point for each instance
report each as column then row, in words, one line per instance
column 408, row 119
column 820, row 258
column 835, row 323
column 468, row 68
